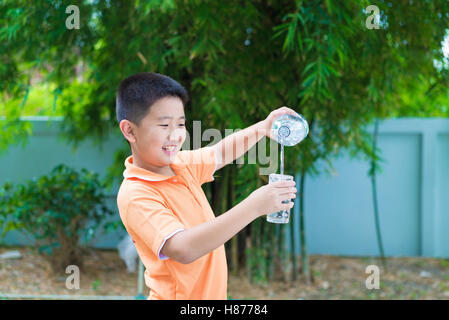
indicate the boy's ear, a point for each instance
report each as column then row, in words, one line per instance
column 128, row 130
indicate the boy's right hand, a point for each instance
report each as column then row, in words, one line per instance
column 268, row 198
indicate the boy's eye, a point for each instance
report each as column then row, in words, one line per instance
column 166, row 125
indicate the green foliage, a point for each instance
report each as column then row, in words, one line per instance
column 257, row 264
column 41, row 101
column 55, row 209
column 314, row 56
column 96, row 284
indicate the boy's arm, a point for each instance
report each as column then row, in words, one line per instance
column 188, row 245
column 237, row 144
column 191, row 244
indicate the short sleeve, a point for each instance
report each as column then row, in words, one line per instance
column 202, row 163
column 152, row 222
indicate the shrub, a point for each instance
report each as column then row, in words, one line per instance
column 55, row 209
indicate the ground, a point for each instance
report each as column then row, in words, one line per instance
column 334, row 278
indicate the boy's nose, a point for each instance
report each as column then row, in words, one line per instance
column 175, row 135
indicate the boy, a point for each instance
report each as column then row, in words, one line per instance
column 161, row 202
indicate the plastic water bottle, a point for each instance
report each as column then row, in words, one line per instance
column 289, row 130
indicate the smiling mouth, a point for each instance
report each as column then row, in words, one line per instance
column 169, row 148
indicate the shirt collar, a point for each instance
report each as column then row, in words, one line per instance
column 132, row 171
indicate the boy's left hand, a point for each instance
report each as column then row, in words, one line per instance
column 265, row 126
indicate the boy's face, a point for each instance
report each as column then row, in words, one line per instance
column 160, row 135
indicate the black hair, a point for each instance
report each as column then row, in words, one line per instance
column 137, row 93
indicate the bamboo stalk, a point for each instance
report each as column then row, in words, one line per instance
column 267, row 248
column 283, row 252
column 292, row 246
column 272, row 250
column 231, row 202
column 374, row 191
column 224, row 201
column 304, row 256
column 255, row 237
column 278, row 247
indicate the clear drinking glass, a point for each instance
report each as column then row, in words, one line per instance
column 283, row 215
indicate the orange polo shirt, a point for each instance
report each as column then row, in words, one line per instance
column 154, row 207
